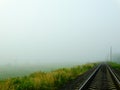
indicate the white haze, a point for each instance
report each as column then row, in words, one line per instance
column 58, row 31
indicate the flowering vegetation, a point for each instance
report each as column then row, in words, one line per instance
column 45, row 80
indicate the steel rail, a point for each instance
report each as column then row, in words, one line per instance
column 92, row 76
column 114, row 76
column 89, row 78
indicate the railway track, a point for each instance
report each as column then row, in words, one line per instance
column 103, row 78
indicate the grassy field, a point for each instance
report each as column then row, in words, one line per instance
column 45, row 80
column 11, row 71
column 114, row 65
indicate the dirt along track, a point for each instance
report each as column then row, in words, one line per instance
column 100, row 78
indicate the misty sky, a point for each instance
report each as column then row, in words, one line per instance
column 53, row 31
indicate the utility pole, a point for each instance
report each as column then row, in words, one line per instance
column 111, row 53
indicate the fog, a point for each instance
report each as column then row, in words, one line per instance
column 58, row 31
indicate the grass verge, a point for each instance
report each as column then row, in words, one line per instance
column 114, row 65
column 45, row 80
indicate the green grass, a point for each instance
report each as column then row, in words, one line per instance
column 45, row 80
column 12, row 71
column 114, row 65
